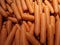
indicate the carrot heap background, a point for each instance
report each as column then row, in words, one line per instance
column 29, row 22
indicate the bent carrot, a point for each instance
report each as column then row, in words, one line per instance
column 37, row 19
column 43, row 29
column 16, row 11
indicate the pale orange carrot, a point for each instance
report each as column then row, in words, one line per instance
column 37, row 19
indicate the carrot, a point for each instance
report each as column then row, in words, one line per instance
column 32, row 29
column 17, row 37
column 59, row 9
column 13, row 19
column 11, row 36
column 31, row 1
column 50, row 35
column 55, row 5
column 3, row 4
column 37, row 19
column 3, row 34
column 57, row 17
column 24, row 6
column 3, row 12
column 18, row 2
column 57, row 34
column 27, row 26
column 14, row 42
column 29, row 6
column 29, row 23
column 58, row 1
column 9, row 26
column 14, row 1
column 32, row 39
column 23, row 40
column 16, row 11
column 28, row 17
column 9, row 1
column 49, row 6
column 0, row 22
column 52, row 19
column 47, row 13
column 9, row 8
column 43, row 29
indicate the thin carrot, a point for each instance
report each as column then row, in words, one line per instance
column 9, row 1
column 43, row 29
column 29, row 23
column 37, row 19
column 16, row 11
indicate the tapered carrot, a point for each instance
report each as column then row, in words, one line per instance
column 29, row 6
column 14, row 43
column 9, row 1
column 32, row 29
column 18, row 2
column 3, row 4
column 11, row 36
column 57, row 34
column 23, row 40
column 32, row 39
column 47, row 13
column 40, row 6
column 9, row 26
column 55, row 5
column 49, row 6
column 37, row 19
column 52, row 19
column 50, row 35
column 0, row 22
column 3, row 12
column 3, row 34
column 28, row 17
column 29, row 23
column 17, row 37
column 27, row 26
column 16, row 11
column 43, row 29
column 24, row 6
column 9, row 8
column 13, row 19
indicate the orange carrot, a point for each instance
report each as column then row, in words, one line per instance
column 43, row 29
column 29, row 23
column 16, row 11
column 37, row 19
column 3, row 4
column 9, row 1
column 24, row 6
column 14, row 43
column 11, row 36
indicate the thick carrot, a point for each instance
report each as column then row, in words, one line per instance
column 23, row 40
column 50, row 35
column 32, row 39
column 49, row 6
column 11, row 36
column 52, row 19
column 16, row 11
column 3, row 34
column 9, row 26
column 13, row 19
column 27, row 26
column 47, row 13
column 29, row 6
column 55, row 5
column 24, row 6
column 37, row 19
column 32, row 29
column 9, row 1
column 0, row 22
column 57, row 34
column 28, row 17
column 43, row 29
column 17, row 37
column 18, row 2
column 3, row 4
column 9, row 8
column 3, row 12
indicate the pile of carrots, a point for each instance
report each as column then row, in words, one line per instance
column 29, row 22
